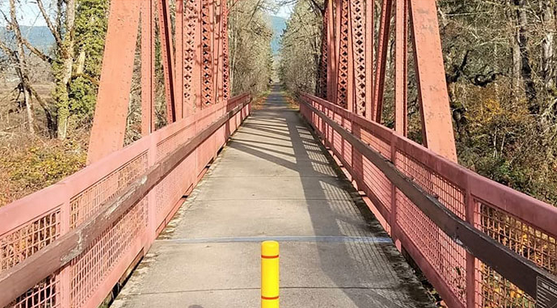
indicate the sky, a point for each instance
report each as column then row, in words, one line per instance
column 27, row 15
column 285, row 11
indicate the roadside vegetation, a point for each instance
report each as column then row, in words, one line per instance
column 49, row 78
column 500, row 60
column 501, row 76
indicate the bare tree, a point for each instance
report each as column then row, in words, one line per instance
column 60, row 20
column 18, row 57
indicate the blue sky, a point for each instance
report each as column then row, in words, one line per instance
column 28, row 14
column 285, row 11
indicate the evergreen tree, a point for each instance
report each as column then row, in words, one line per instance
column 90, row 31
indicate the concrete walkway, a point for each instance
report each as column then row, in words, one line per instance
column 273, row 181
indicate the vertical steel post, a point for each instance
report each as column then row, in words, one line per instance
column 165, row 30
column 216, row 42
column 358, row 53
column 179, row 63
column 225, row 59
column 369, row 52
column 350, row 68
column 338, row 13
column 207, row 53
column 331, row 56
column 401, row 67
column 147, row 68
column 392, row 220
column 192, row 58
column 322, row 84
column 382, row 49
column 220, row 57
column 65, row 276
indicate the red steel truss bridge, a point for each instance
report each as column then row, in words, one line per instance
column 345, row 195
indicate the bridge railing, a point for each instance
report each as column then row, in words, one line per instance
column 480, row 243
column 69, row 244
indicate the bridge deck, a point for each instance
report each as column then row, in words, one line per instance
column 273, row 181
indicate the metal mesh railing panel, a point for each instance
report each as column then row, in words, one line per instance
column 22, row 243
column 521, row 237
column 88, row 202
column 47, row 215
column 90, row 269
column 442, row 258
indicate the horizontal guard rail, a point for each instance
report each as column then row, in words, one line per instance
column 18, row 279
column 517, row 269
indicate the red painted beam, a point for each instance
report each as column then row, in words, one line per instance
column 401, row 67
column 147, row 68
column 167, row 52
column 432, row 86
column 109, row 125
column 383, row 45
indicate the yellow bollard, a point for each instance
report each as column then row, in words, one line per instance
column 269, row 274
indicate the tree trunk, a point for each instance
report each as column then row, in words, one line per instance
column 525, row 67
column 29, row 111
column 21, row 69
column 64, row 74
column 517, row 64
column 547, row 44
column 80, row 63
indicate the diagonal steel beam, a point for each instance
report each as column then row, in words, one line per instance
column 432, row 86
column 109, row 125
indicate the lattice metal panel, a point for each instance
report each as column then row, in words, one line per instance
column 207, row 52
column 357, row 10
column 521, row 237
column 375, row 179
column 322, row 90
column 377, row 143
column 343, row 57
column 225, row 50
column 191, row 9
column 496, row 291
column 173, row 186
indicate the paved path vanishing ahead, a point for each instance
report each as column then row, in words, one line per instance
column 273, row 181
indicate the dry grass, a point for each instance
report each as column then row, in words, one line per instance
column 291, row 101
column 259, row 101
column 29, row 163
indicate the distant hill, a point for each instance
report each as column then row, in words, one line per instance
column 278, row 24
column 39, row 37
